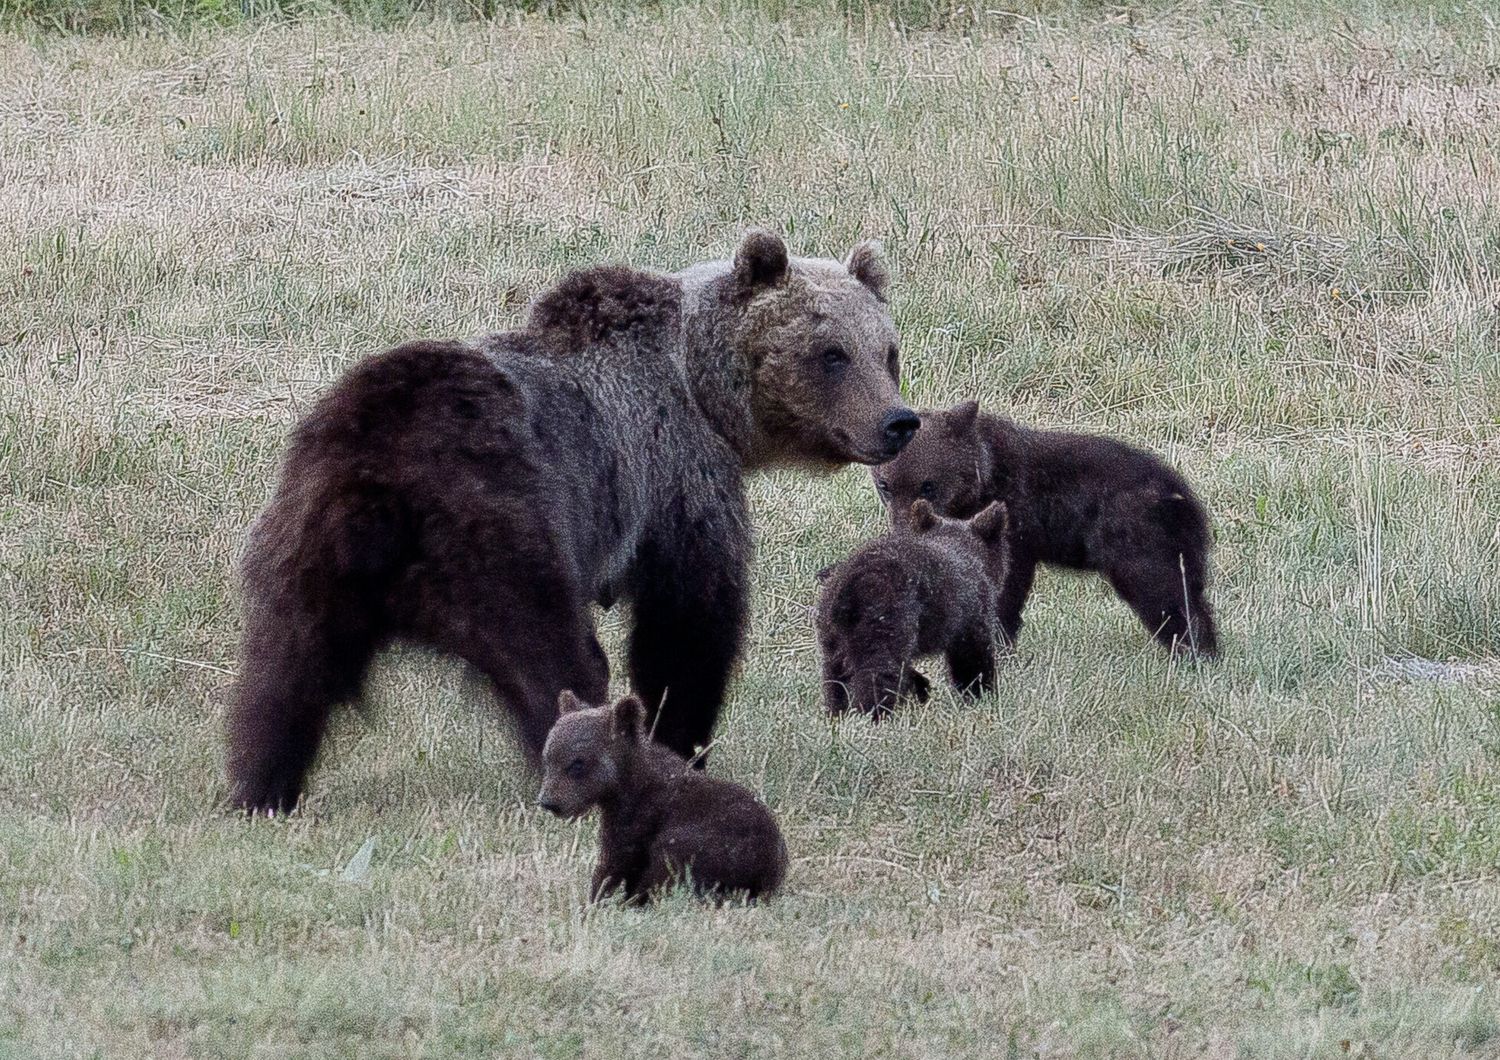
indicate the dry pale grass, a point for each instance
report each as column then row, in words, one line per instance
column 1266, row 245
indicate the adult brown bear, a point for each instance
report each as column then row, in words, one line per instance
column 477, row 496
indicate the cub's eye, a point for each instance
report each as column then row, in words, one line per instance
column 576, row 768
column 928, row 490
column 893, row 363
column 834, row 357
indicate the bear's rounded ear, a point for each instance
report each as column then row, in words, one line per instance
column 992, row 522
column 923, row 518
column 761, row 260
column 961, row 417
column 567, row 702
column 630, row 717
column 867, row 265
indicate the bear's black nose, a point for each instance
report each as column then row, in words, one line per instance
column 897, row 428
column 550, row 806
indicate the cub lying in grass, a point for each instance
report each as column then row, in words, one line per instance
column 909, row 594
column 1076, row 500
column 664, row 823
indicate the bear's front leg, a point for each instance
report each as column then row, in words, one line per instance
column 915, row 684
column 971, row 660
column 836, row 681
column 1013, row 594
column 878, row 685
column 608, row 881
column 624, row 845
column 691, row 608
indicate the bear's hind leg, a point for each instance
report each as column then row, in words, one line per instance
column 528, row 681
column 531, row 643
column 293, row 674
column 498, row 588
column 1203, row 632
column 1165, row 596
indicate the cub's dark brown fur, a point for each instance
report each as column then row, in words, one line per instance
column 914, row 592
column 663, row 823
column 1076, row 500
column 475, row 497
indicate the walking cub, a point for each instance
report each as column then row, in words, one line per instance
column 919, row 591
column 1076, row 500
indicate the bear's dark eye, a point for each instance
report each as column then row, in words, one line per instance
column 834, row 358
column 928, row 490
column 576, row 768
column 893, row 363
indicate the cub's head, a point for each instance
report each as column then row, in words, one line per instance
column 986, row 533
column 945, row 465
column 824, row 356
column 582, row 759
column 986, row 528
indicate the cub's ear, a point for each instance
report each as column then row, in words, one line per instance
column 761, row 260
column 991, row 523
column 630, row 717
column 826, row 573
column 923, row 518
column 961, row 417
column 867, row 265
column 567, row 702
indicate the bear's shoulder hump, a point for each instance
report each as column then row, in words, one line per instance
column 594, row 305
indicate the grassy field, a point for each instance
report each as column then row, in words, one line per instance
column 1266, row 245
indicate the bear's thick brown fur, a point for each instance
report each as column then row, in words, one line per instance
column 662, row 822
column 476, row 497
column 916, row 592
column 1076, row 500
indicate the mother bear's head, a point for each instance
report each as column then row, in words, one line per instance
column 813, row 340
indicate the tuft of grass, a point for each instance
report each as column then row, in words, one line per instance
column 208, row 215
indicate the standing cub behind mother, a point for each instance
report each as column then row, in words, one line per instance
column 475, row 497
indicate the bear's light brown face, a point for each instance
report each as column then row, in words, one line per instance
column 825, row 357
column 944, row 466
column 581, row 758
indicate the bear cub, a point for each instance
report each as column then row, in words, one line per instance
column 918, row 591
column 1077, row 501
column 663, row 822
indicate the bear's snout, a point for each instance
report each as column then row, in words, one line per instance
column 897, row 429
